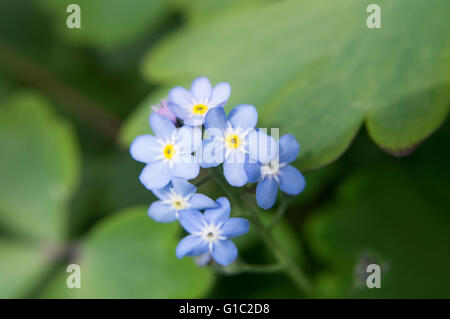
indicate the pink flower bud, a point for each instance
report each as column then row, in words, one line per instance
column 164, row 110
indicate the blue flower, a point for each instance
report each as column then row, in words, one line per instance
column 234, row 141
column 167, row 154
column 211, row 232
column 177, row 196
column 192, row 106
column 277, row 173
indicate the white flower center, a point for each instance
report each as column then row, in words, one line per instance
column 272, row 169
column 178, row 202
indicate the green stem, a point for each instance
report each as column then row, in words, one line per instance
column 203, row 180
column 294, row 272
column 270, row 268
column 279, row 214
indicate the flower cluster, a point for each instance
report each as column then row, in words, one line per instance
column 192, row 131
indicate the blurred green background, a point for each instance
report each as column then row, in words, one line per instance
column 358, row 100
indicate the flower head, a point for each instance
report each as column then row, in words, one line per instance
column 211, row 232
column 277, row 173
column 192, row 106
column 177, row 196
column 165, row 111
column 234, row 141
column 167, row 154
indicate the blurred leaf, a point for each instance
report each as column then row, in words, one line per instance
column 21, row 267
column 137, row 123
column 380, row 216
column 313, row 68
column 107, row 24
column 131, row 256
column 39, row 167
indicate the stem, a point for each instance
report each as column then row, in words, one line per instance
column 203, row 180
column 290, row 266
column 279, row 214
column 270, row 268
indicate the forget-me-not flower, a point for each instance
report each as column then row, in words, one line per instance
column 176, row 197
column 234, row 141
column 210, row 232
column 167, row 154
column 192, row 106
column 277, row 173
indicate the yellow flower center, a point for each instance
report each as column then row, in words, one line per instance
column 168, row 151
column 199, row 109
column 178, row 205
column 233, row 141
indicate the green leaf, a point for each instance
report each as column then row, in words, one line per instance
column 107, row 24
column 137, row 123
column 381, row 215
column 39, row 167
column 131, row 256
column 314, row 69
column 21, row 267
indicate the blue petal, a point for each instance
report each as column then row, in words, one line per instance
column 262, row 147
column 190, row 139
column 234, row 227
column 253, row 171
column 194, row 120
column 244, row 116
column 161, row 126
column 201, row 89
column 186, row 167
column 289, row 148
column 162, row 213
column 200, row 201
column 224, row 252
column 292, row 181
column 182, row 187
column 179, row 111
column 181, row 97
column 235, row 174
column 220, row 94
column 191, row 220
column 219, row 215
column 212, row 154
column 162, row 193
column 216, row 121
column 266, row 192
column 145, row 148
column 191, row 246
column 155, row 175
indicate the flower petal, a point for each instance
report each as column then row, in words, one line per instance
column 161, row 126
column 200, row 201
column 253, row 171
column 235, row 174
column 216, row 121
column 155, row 175
column 182, row 187
column 191, row 246
column 266, row 192
column 162, row 213
column 190, row 139
column 201, row 89
column 179, row 111
column 162, row 193
column 186, row 167
column 292, row 181
column 289, row 148
column 220, row 94
column 191, row 220
column 262, row 147
column 181, row 97
column 211, row 155
column 219, row 215
column 145, row 148
column 194, row 120
column 224, row 252
column 234, row 227
column 244, row 116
